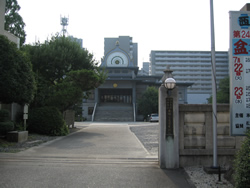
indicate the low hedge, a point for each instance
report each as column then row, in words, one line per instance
column 48, row 121
column 4, row 115
column 5, row 124
column 6, row 127
column 242, row 164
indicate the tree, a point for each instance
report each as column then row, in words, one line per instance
column 223, row 93
column 57, row 57
column 13, row 21
column 70, row 91
column 63, row 71
column 148, row 103
column 17, row 83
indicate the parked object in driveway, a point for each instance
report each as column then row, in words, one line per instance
column 153, row 118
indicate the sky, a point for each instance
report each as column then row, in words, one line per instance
column 153, row 24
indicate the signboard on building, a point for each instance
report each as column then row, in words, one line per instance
column 239, row 64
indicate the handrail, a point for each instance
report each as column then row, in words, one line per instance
column 134, row 112
column 93, row 114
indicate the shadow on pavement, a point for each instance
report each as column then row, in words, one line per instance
column 178, row 176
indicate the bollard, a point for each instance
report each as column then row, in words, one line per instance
column 219, row 174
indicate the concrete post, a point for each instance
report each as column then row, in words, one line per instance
column 2, row 16
column 168, row 144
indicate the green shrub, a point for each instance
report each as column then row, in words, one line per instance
column 19, row 126
column 242, row 164
column 5, row 124
column 4, row 115
column 48, row 121
column 6, row 127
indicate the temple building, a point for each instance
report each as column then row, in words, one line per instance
column 116, row 99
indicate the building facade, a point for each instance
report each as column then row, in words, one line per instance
column 77, row 40
column 126, row 44
column 191, row 66
column 145, row 69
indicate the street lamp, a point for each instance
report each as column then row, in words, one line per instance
column 167, row 80
column 170, row 83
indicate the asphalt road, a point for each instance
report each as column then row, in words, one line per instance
column 100, row 155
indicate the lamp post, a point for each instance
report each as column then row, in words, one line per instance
column 168, row 122
column 169, row 84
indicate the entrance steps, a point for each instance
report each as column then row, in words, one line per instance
column 114, row 112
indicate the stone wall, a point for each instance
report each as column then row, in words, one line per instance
column 196, row 135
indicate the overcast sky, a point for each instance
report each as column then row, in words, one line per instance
column 153, row 24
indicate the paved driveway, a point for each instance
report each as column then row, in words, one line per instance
column 96, row 140
column 99, row 155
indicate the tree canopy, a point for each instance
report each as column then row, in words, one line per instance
column 13, row 21
column 148, row 103
column 63, row 72
column 70, row 90
column 17, row 83
column 223, row 92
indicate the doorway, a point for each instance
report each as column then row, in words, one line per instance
column 116, row 96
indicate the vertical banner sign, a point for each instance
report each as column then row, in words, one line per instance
column 239, row 65
column 169, row 117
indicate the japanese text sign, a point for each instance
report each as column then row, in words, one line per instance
column 239, row 64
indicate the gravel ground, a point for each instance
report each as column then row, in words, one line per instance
column 148, row 135
column 203, row 180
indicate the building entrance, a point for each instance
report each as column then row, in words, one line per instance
column 116, row 95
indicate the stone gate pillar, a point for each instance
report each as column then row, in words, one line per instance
column 169, row 126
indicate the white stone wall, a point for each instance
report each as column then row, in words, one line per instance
column 196, row 135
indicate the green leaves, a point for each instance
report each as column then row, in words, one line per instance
column 17, row 83
column 223, row 93
column 64, row 71
column 70, row 91
column 55, row 58
column 148, row 103
column 242, row 164
column 13, row 21
column 48, row 121
column 86, row 79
